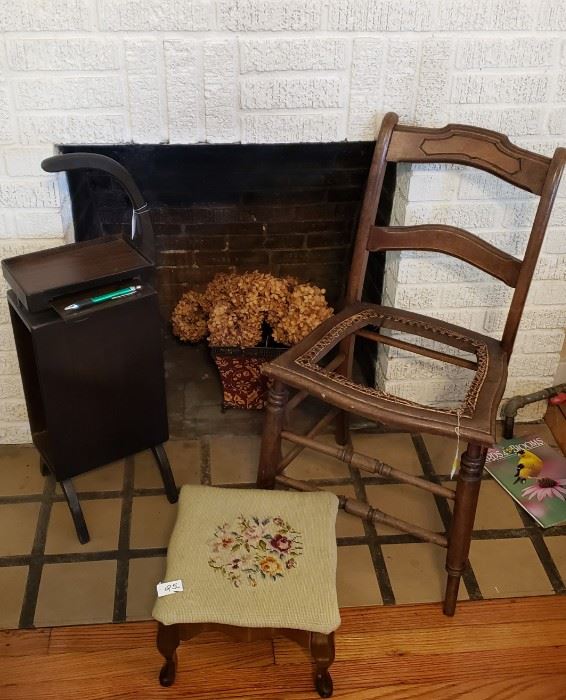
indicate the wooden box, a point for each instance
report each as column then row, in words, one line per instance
column 38, row 278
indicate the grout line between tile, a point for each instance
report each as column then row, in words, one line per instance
column 29, row 604
column 351, row 541
column 76, row 557
column 379, row 566
column 12, row 500
column 537, row 539
column 399, row 538
column 83, row 496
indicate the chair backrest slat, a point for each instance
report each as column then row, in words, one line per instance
column 451, row 240
column 464, row 145
column 468, row 145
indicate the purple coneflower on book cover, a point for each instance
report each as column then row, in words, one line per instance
column 534, row 474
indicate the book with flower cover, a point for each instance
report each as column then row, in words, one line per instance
column 534, row 474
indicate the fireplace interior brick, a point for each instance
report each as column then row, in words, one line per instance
column 290, row 209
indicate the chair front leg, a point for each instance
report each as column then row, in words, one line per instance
column 270, row 454
column 465, row 503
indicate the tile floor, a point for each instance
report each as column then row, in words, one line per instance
column 48, row 578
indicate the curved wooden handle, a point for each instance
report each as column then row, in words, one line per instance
column 95, row 161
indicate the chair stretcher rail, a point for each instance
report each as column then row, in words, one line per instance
column 315, row 430
column 369, row 513
column 368, row 464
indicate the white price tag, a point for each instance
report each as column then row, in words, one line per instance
column 169, row 587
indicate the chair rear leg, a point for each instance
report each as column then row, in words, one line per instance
column 465, row 503
column 270, row 454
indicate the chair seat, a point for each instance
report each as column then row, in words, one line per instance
column 299, row 367
column 253, row 558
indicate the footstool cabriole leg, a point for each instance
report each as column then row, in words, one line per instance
column 167, row 643
column 322, row 651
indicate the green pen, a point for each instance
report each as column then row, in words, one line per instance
column 109, row 296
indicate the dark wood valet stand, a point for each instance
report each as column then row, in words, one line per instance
column 93, row 379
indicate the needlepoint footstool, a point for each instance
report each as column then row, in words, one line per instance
column 252, row 564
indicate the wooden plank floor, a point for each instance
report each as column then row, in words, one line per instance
column 498, row 649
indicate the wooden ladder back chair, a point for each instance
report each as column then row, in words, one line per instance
column 321, row 365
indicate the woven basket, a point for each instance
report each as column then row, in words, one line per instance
column 243, row 384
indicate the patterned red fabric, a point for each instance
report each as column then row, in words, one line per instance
column 243, row 384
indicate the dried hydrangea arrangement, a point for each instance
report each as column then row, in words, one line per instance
column 234, row 308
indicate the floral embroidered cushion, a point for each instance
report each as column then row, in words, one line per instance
column 254, row 559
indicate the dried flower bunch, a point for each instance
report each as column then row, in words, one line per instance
column 189, row 317
column 233, row 309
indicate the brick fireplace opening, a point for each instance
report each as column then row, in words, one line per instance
column 288, row 209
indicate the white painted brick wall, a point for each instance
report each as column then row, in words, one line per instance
column 93, row 92
column 555, row 241
column 269, row 15
column 185, row 98
column 401, row 70
column 22, row 162
column 291, row 93
column 386, row 16
column 64, row 54
column 290, row 128
column 72, row 128
column 269, row 55
column 487, row 15
column 36, row 15
column 8, row 360
column 26, row 194
column 366, row 80
column 434, row 81
column 153, row 15
column 527, row 121
column 33, row 224
column 144, row 90
column 220, row 91
column 266, row 71
column 509, row 52
column 7, row 129
column 513, row 88
column 13, row 410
